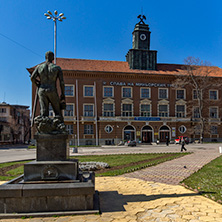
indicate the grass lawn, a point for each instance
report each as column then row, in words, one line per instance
column 208, row 180
column 119, row 164
column 11, row 170
column 125, row 163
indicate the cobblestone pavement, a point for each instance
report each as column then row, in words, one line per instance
column 151, row 195
column 174, row 171
column 133, row 200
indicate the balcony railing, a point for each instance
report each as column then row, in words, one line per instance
column 69, row 118
column 87, row 118
column 214, row 120
column 143, row 118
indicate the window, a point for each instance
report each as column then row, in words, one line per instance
column 69, row 90
column 213, row 112
column 196, row 113
column 88, row 91
column 3, row 119
column 89, row 142
column 163, row 110
column 69, row 110
column 108, row 129
column 180, row 94
column 69, row 128
column 182, row 129
column 108, row 91
column 214, row 130
column 127, row 92
column 213, row 94
column 197, row 130
column 163, row 93
column 145, row 93
column 127, row 110
column 88, row 129
column 2, row 110
column 196, row 94
column 88, row 110
column 108, row 109
column 180, row 111
column 145, row 110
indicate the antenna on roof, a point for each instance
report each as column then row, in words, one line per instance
column 4, row 97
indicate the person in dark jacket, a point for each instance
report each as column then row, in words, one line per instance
column 167, row 141
column 183, row 146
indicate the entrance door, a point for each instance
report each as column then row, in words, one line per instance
column 164, row 133
column 164, row 136
column 146, row 137
column 147, row 134
column 129, row 133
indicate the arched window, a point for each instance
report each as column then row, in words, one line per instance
column 164, row 128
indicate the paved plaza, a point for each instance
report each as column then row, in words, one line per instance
column 151, row 194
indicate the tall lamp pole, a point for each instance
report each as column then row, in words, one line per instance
column 55, row 17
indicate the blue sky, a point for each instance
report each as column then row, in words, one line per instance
column 102, row 29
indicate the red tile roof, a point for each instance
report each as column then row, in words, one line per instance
column 112, row 66
column 122, row 67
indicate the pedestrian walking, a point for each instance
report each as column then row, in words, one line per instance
column 183, row 146
column 167, row 141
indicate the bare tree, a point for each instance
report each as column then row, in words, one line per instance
column 196, row 76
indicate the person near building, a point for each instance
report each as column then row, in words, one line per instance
column 183, row 145
column 167, row 141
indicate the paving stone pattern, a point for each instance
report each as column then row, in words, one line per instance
column 130, row 200
column 151, row 195
column 174, row 171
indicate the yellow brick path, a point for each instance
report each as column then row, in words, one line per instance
column 131, row 200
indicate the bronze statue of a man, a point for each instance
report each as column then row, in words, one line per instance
column 45, row 77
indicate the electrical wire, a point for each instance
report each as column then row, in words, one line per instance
column 20, row 44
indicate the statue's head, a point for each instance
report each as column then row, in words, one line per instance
column 49, row 56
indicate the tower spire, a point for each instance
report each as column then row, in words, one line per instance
column 141, row 17
column 140, row 56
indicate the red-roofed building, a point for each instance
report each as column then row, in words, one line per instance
column 112, row 101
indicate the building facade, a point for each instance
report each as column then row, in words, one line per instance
column 14, row 123
column 113, row 101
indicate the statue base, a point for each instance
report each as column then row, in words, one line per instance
column 51, row 147
column 51, row 170
column 61, row 198
column 52, row 183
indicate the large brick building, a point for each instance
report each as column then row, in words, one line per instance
column 110, row 101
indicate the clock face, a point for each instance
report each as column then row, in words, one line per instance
column 143, row 37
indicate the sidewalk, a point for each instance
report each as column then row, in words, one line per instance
column 174, row 171
column 13, row 146
column 152, row 194
column 132, row 200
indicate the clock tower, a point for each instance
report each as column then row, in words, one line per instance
column 140, row 56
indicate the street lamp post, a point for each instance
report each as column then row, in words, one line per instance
column 55, row 17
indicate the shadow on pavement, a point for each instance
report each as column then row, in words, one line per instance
column 112, row 201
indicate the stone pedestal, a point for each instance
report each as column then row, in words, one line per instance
column 51, row 147
column 46, row 197
column 51, row 170
column 52, row 183
column 52, row 161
